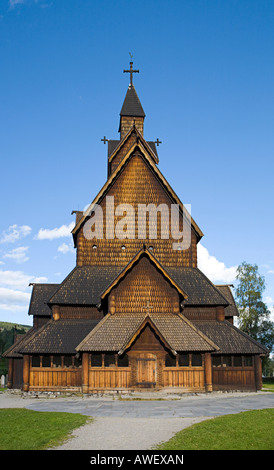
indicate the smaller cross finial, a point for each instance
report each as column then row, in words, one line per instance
column 147, row 307
column 105, row 140
column 131, row 71
column 157, row 142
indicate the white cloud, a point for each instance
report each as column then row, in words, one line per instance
column 268, row 300
column 11, row 298
column 18, row 279
column 18, row 254
column 65, row 248
column 215, row 270
column 58, row 232
column 15, row 233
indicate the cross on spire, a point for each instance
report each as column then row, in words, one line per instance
column 157, row 142
column 105, row 140
column 131, row 71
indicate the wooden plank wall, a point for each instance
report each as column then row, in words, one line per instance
column 233, row 378
column 186, row 377
column 109, row 378
column 135, row 185
column 47, row 378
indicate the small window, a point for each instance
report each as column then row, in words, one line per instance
column 248, row 361
column 94, row 247
column 123, row 360
column 35, row 361
column 110, row 360
column 237, row 361
column 170, row 360
column 197, row 360
column 77, row 361
column 183, row 360
column 67, row 361
column 151, row 248
column 227, row 362
column 96, row 360
column 216, row 361
column 57, row 361
column 46, row 361
column 123, row 248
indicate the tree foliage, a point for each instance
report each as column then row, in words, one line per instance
column 254, row 316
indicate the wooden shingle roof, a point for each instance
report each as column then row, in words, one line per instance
column 132, row 105
column 114, row 332
column 41, row 294
column 13, row 351
column 229, row 338
column 231, row 310
column 58, row 337
column 85, row 285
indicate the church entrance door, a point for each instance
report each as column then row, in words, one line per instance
column 146, row 370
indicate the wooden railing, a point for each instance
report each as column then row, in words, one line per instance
column 187, row 377
column 48, row 378
column 109, row 377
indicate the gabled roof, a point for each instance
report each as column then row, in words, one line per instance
column 173, row 196
column 115, row 333
column 200, row 290
column 229, row 338
column 41, row 293
column 231, row 310
column 132, row 105
column 114, row 144
column 85, row 285
column 13, row 350
column 135, row 259
column 150, row 147
column 58, row 337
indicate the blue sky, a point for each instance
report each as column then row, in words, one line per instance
column 206, row 83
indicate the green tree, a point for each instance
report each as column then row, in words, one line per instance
column 254, row 316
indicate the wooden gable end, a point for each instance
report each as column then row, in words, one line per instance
column 124, row 146
column 135, row 184
column 144, row 289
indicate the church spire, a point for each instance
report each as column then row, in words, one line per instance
column 132, row 112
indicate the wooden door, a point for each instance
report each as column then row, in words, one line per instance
column 146, row 370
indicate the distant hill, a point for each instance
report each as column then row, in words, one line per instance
column 7, row 339
column 8, row 326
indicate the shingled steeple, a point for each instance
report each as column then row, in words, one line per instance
column 132, row 111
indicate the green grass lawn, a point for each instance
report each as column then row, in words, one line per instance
column 268, row 387
column 22, row 429
column 249, row 430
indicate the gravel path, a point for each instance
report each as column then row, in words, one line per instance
column 126, row 433
column 138, row 425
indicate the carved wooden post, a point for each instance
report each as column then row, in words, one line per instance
column 10, row 373
column 85, row 373
column 220, row 313
column 56, row 312
column 26, row 373
column 258, row 372
column 208, row 373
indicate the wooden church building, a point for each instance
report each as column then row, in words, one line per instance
column 134, row 313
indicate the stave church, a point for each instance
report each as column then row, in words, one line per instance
column 136, row 312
